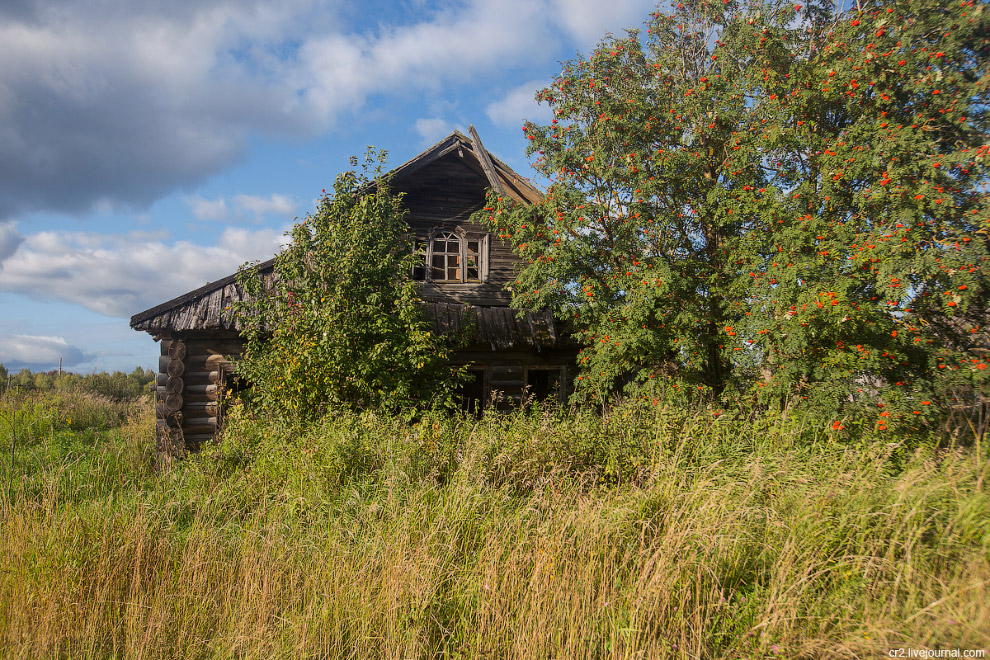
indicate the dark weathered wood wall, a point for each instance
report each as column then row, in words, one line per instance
column 193, row 371
column 445, row 195
column 507, row 370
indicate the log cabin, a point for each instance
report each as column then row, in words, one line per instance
column 463, row 273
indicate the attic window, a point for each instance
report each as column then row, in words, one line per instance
column 445, row 262
column 450, row 257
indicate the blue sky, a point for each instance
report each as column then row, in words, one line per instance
column 147, row 148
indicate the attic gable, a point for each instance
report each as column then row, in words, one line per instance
column 472, row 154
column 445, row 183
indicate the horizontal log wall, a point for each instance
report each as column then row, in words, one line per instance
column 168, row 399
column 192, row 372
column 208, row 366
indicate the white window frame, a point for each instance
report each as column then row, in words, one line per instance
column 463, row 239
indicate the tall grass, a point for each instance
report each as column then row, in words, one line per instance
column 647, row 532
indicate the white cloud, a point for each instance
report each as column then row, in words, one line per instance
column 277, row 205
column 587, row 21
column 339, row 71
column 122, row 274
column 38, row 352
column 252, row 208
column 120, row 102
column 206, row 209
column 433, row 130
column 520, row 105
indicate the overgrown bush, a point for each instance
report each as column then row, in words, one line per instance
column 341, row 324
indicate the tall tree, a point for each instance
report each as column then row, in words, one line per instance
column 341, row 324
column 766, row 189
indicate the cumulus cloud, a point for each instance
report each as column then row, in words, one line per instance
column 209, row 209
column 277, row 205
column 38, row 352
column 243, row 207
column 120, row 102
column 122, row 274
column 343, row 70
column 587, row 22
column 519, row 105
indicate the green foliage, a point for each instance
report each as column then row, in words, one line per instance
column 341, row 325
column 769, row 196
column 117, row 385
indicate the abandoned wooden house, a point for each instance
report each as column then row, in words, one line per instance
column 462, row 274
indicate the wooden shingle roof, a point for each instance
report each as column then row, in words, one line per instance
column 207, row 308
column 499, row 327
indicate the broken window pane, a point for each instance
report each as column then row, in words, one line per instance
column 472, row 271
column 446, row 262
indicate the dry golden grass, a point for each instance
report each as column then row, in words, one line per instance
column 640, row 535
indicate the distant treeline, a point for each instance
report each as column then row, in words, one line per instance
column 116, row 385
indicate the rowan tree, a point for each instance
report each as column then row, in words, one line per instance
column 767, row 195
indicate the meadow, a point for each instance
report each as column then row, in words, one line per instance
column 637, row 532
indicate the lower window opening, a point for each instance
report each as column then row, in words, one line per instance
column 544, row 384
column 472, row 393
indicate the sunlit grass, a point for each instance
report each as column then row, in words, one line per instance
column 649, row 532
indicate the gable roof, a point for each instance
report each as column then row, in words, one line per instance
column 500, row 176
column 208, row 307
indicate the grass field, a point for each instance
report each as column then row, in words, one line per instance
column 648, row 532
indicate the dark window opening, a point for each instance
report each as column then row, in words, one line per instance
column 419, row 270
column 473, row 271
column 472, row 394
column 544, row 384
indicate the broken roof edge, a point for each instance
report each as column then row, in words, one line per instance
column 457, row 140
